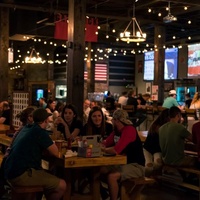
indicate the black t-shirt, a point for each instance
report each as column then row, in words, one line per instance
column 132, row 101
column 75, row 124
column 110, row 103
column 143, row 102
column 188, row 103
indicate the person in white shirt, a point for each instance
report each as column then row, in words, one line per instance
column 86, row 110
column 123, row 98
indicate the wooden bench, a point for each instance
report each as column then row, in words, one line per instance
column 187, row 170
column 131, row 188
column 25, row 192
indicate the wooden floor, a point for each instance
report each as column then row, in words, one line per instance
column 160, row 192
column 163, row 192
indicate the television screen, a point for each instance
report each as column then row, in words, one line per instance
column 193, row 60
column 40, row 93
column 149, row 66
column 171, row 63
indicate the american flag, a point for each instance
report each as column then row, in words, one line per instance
column 101, row 71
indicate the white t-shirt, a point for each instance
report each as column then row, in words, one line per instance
column 122, row 100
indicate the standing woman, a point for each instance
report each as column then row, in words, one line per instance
column 96, row 124
column 68, row 123
column 151, row 148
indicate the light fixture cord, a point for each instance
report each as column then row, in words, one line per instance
column 133, row 17
column 169, row 9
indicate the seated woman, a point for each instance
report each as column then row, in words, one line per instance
column 51, row 104
column 68, row 123
column 195, row 104
column 151, row 148
column 96, row 124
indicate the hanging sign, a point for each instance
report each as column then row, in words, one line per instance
column 61, row 27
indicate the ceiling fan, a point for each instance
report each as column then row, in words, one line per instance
column 169, row 18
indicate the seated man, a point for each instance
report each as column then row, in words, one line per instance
column 172, row 137
column 138, row 116
column 124, row 140
column 5, row 117
column 171, row 100
column 23, row 164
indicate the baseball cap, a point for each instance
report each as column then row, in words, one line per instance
column 122, row 116
column 172, row 92
column 40, row 114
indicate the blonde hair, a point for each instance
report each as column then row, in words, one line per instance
column 195, row 98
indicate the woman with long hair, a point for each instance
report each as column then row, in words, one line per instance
column 69, row 123
column 151, row 148
column 96, row 124
column 195, row 104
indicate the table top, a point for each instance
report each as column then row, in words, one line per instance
column 5, row 140
column 75, row 162
column 4, row 128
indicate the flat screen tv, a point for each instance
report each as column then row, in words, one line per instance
column 193, row 60
column 148, row 66
column 171, row 64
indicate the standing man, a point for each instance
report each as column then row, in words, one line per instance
column 171, row 100
column 172, row 136
column 23, row 164
column 86, row 110
column 125, row 141
column 42, row 102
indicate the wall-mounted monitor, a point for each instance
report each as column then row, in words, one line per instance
column 171, row 64
column 193, row 60
column 39, row 93
column 148, row 66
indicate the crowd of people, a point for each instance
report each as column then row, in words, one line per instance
column 117, row 133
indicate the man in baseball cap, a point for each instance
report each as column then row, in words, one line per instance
column 124, row 140
column 172, row 92
column 171, row 100
column 122, row 116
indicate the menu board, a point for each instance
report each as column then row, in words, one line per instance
column 149, row 66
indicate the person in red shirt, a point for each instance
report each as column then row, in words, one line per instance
column 123, row 140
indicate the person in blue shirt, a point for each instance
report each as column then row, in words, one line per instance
column 171, row 100
column 23, row 164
